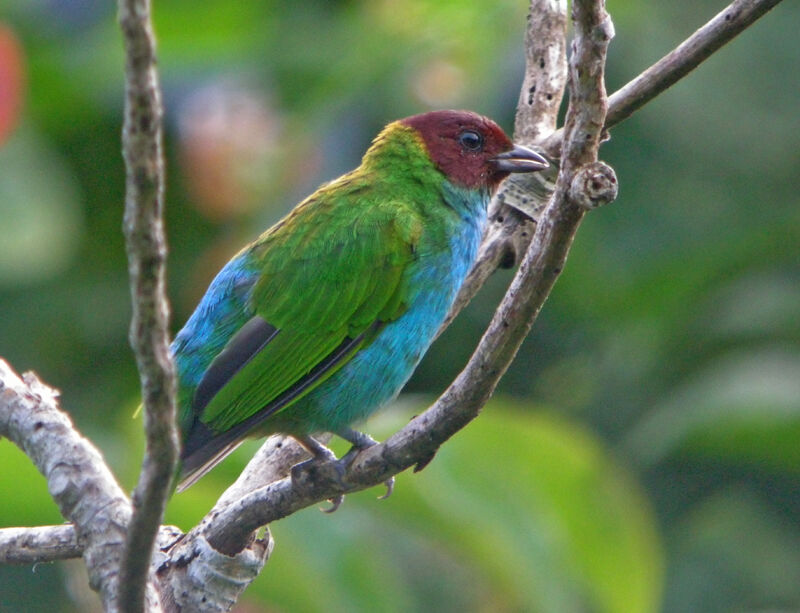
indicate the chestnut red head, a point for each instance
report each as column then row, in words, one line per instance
column 472, row 150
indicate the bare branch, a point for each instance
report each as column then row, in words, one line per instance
column 522, row 197
column 545, row 71
column 512, row 226
column 39, row 544
column 146, row 246
column 723, row 27
column 78, row 480
column 586, row 114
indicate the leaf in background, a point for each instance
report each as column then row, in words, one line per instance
column 40, row 212
column 745, row 407
column 737, row 544
column 25, row 500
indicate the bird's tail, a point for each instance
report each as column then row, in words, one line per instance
column 191, row 472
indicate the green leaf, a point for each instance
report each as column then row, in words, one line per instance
column 39, row 208
column 744, row 408
column 25, row 500
column 736, row 543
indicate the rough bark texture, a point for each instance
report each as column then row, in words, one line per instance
column 78, row 479
column 39, row 544
column 146, row 247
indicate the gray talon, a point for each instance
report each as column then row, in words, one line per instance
column 336, row 502
column 389, row 483
column 324, row 464
column 321, row 453
column 361, row 441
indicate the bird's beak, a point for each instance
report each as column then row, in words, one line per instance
column 519, row 159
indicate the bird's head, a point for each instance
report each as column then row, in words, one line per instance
column 471, row 150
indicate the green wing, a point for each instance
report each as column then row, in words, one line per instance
column 332, row 273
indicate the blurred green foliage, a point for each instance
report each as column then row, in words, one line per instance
column 644, row 451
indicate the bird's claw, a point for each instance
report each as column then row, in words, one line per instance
column 362, row 441
column 323, row 465
column 389, row 483
column 336, row 502
column 313, row 468
column 324, row 457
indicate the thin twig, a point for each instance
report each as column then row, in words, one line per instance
column 722, row 28
column 511, row 227
column 146, row 246
column 726, row 25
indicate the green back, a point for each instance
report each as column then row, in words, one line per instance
column 333, row 268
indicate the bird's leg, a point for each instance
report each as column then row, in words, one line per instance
column 361, row 441
column 323, row 455
column 320, row 452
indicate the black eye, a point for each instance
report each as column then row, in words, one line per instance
column 470, row 140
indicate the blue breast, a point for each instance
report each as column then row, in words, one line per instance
column 377, row 373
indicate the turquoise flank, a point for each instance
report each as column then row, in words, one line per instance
column 376, row 374
column 221, row 312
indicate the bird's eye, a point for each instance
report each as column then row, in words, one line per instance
column 470, row 140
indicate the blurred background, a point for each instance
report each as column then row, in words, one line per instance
column 642, row 453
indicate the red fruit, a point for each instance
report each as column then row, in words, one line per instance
column 12, row 75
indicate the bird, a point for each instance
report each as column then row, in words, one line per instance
column 322, row 319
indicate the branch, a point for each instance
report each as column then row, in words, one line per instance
column 40, row 544
column 725, row 26
column 722, row 28
column 78, row 480
column 545, row 72
column 522, row 197
column 197, row 577
column 512, row 226
column 88, row 496
column 146, row 246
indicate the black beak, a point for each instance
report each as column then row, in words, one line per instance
column 519, row 159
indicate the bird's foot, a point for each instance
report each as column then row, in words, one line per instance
column 336, row 502
column 389, row 483
column 362, row 441
column 324, row 465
